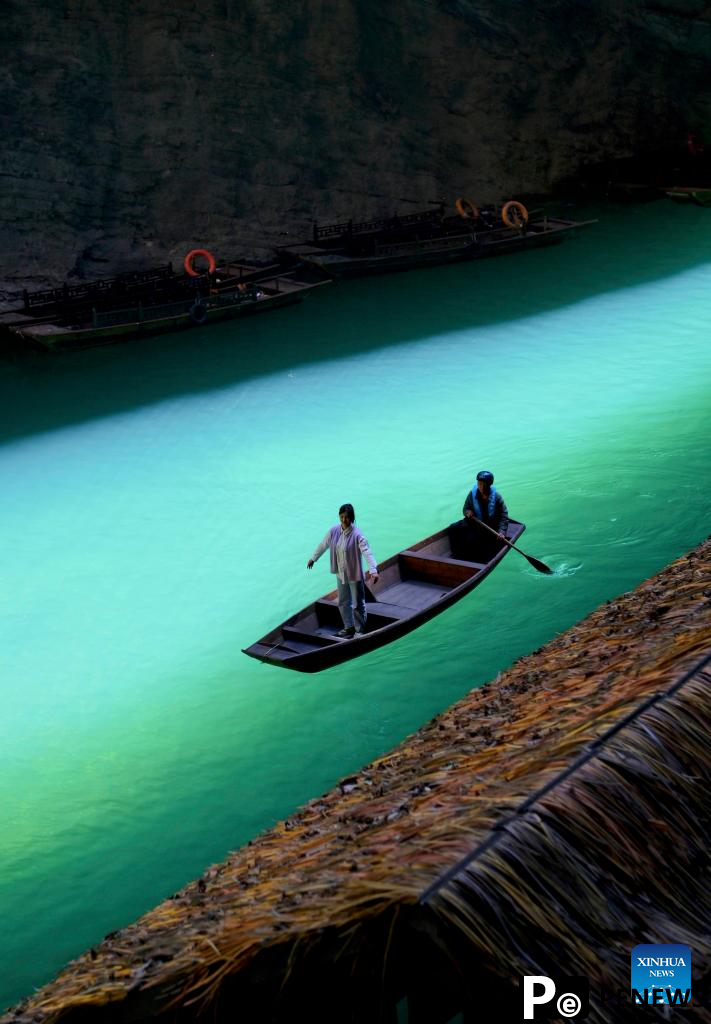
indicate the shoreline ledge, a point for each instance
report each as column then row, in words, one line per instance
column 544, row 824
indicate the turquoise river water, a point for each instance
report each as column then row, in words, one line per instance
column 161, row 500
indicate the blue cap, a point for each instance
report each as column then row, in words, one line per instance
column 486, row 476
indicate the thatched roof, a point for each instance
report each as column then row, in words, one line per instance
column 546, row 823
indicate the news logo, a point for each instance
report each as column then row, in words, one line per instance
column 545, row 998
column 661, row 974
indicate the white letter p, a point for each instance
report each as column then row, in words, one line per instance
column 529, row 1000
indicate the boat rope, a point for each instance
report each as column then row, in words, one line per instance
column 589, row 753
column 279, row 643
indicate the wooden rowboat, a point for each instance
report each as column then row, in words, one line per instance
column 467, row 245
column 700, row 196
column 251, row 291
column 415, row 585
column 424, row 239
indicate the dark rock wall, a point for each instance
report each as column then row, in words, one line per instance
column 133, row 130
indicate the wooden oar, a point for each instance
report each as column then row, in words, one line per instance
column 535, row 562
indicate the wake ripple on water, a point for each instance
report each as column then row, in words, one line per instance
column 629, row 537
column 561, row 568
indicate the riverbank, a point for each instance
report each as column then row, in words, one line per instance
column 536, row 822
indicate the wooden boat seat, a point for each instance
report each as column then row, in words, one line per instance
column 314, row 639
column 448, row 572
column 292, row 645
column 379, row 614
column 476, row 566
column 275, row 653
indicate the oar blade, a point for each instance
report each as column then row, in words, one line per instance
column 538, row 564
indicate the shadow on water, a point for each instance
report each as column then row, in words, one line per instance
column 630, row 246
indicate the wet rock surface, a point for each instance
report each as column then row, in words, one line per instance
column 133, row 133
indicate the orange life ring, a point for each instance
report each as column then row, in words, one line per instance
column 466, row 209
column 520, row 216
column 188, row 262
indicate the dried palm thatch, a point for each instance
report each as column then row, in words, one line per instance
column 546, row 823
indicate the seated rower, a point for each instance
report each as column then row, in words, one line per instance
column 482, row 504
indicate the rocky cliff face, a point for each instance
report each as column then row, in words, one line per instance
column 134, row 130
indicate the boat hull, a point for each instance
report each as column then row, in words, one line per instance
column 55, row 337
column 433, row 252
column 698, row 196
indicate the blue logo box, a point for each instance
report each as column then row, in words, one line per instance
column 661, row 966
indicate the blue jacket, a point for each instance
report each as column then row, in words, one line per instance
column 494, row 512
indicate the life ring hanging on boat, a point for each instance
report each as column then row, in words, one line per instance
column 514, row 214
column 465, row 208
column 188, row 262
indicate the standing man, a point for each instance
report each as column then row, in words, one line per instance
column 347, row 544
column 485, row 505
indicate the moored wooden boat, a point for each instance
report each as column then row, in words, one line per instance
column 153, row 283
column 357, row 236
column 684, row 194
column 414, row 585
column 457, row 239
column 249, row 290
column 151, row 287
